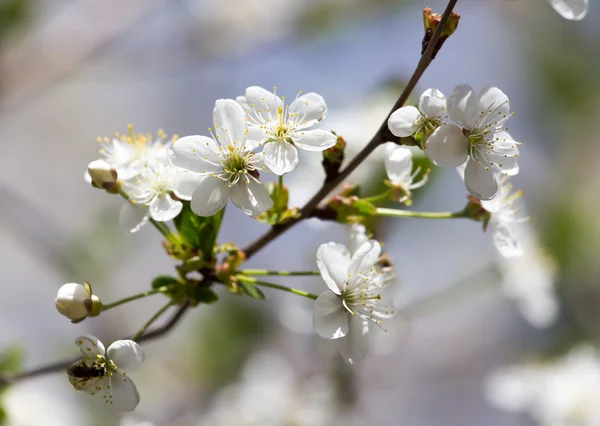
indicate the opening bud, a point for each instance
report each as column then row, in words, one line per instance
column 430, row 22
column 333, row 158
column 76, row 302
column 103, row 176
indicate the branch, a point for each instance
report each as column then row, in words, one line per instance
column 64, row 364
column 383, row 135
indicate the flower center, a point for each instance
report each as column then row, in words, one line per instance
column 428, row 125
column 236, row 165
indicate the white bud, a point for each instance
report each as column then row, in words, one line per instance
column 73, row 301
column 102, row 174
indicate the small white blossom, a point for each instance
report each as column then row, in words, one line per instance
column 562, row 392
column 482, row 142
column 573, row 10
column 228, row 167
column 104, row 372
column 355, row 298
column 398, row 166
column 430, row 115
column 154, row 188
column 76, row 301
column 102, row 174
column 282, row 128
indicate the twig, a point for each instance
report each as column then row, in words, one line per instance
column 62, row 365
column 383, row 135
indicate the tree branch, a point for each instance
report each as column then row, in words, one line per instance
column 64, row 364
column 383, row 135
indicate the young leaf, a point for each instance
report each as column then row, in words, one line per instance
column 198, row 232
column 164, row 280
column 251, row 290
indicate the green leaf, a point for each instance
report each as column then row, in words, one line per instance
column 164, row 280
column 364, row 207
column 11, row 359
column 205, row 295
column 198, row 232
column 251, row 290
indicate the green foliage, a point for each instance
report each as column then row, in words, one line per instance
column 205, row 295
column 11, row 359
column 198, row 233
column 14, row 17
column 164, row 280
column 279, row 212
column 251, row 290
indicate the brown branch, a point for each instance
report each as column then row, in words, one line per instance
column 62, row 365
column 383, row 135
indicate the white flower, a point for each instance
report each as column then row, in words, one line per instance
column 153, row 188
column 430, row 115
column 563, row 392
column 282, row 128
column 226, row 162
column 482, row 141
column 357, row 236
column 104, row 372
column 571, row 9
column 76, row 302
column 355, row 297
column 128, row 154
column 102, row 174
column 398, row 166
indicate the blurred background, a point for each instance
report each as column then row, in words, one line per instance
column 72, row 70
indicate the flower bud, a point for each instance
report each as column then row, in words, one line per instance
column 76, row 302
column 333, row 158
column 431, row 21
column 103, row 175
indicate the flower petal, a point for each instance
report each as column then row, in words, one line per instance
column 165, row 208
column 90, row 346
column 462, row 106
column 126, row 354
column 196, row 153
column 255, row 137
column 398, row 164
column 505, row 241
column 480, row 183
column 230, row 123
column 252, row 197
column 505, row 153
column 363, row 260
column 354, row 347
column 432, row 104
column 262, row 101
column 333, row 261
column 493, row 108
column 132, row 217
column 403, row 121
column 125, row 396
column 447, row 146
column 314, row 140
column 280, row 156
column 329, row 318
column 210, row 196
column 570, row 9
column 310, row 108
column 356, row 238
column 188, row 181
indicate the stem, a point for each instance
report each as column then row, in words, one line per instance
column 151, row 321
column 108, row 306
column 303, row 293
column 382, row 135
column 376, row 198
column 423, row 215
column 279, row 197
column 280, row 273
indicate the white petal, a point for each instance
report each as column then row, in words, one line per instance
column 262, row 100
column 462, row 106
column 329, row 318
column 403, row 122
column 280, row 156
column 363, row 260
column 210, row 196
column 570, row 9
column 164, row 208
column 480, row 183
column 230, row 123
column 196, row 153
column 433, row 103
column 126, row 354
column 255, row 137
column 354, row 347
column 505, row 241
column 333, row 261
column 310, row 108
column 243, row 103
column 398, row 164
column 90, row 346
column 125, row 396
column 447, row 146
column 188, row 181
column 132, row 217
column 358, row 235
column 314, row 140
column 493, row 106
column 505, row 153
column 252, row 197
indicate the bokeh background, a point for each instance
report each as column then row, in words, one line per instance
column 74, row 70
